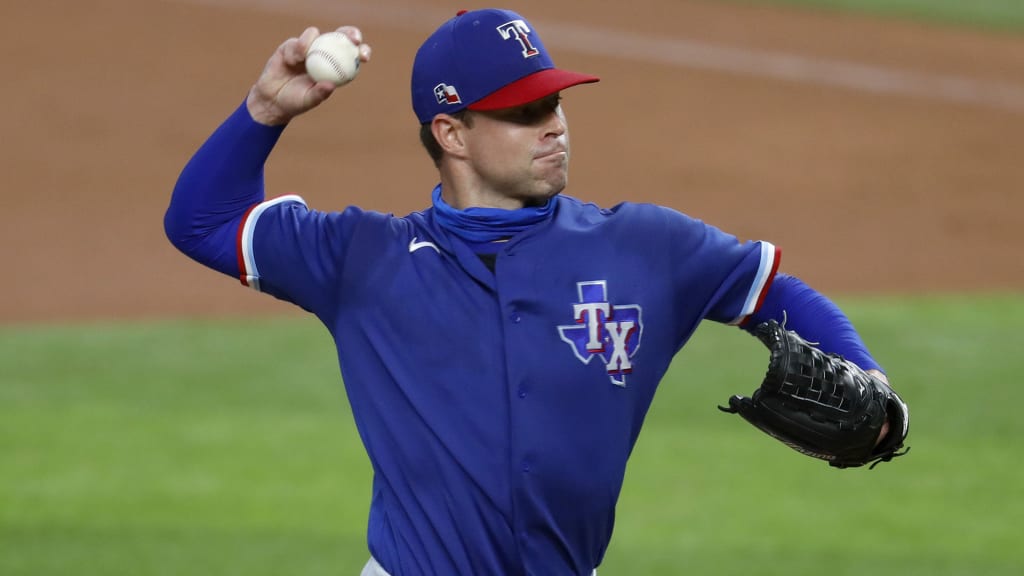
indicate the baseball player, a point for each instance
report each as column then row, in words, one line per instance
column 501, row 347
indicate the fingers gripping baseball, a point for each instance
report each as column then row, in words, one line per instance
column 284, row 89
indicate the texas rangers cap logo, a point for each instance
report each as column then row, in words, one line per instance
column 610, row 332
column 521, row 32
column 446, row 94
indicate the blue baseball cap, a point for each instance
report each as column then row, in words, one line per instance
column 484, row 60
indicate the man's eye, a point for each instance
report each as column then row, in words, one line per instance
column 524, row 115
column 531, row 114
column 540, row 111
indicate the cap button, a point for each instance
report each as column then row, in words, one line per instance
column 461, row 12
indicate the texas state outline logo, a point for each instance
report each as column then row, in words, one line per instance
column 610, row 332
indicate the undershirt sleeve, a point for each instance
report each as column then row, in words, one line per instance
column 814, row 317
column 223, row 179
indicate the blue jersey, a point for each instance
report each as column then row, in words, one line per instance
column 499, row 408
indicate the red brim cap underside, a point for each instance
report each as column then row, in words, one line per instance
column 533, row 87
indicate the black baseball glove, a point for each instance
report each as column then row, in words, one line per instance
column 823, row 405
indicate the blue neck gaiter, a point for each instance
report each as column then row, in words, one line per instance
column 480, row 225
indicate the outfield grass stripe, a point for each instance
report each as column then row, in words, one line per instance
column 1007, row 15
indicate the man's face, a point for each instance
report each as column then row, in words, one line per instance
column 521, row 153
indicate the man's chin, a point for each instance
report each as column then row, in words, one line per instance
column 540, row 199
column 551, row 192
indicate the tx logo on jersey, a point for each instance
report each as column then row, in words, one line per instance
column 610, row 332
column 521, row 32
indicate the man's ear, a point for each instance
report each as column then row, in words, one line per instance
column 450, row 134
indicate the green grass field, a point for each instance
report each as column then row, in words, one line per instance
column 227, row 448
column 1006, row 15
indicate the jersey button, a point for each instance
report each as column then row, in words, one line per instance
column 522, row 392
column 516, row 317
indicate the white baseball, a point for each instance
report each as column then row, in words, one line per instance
column 332, row 57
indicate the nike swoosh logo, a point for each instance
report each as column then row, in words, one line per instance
column 414, row 245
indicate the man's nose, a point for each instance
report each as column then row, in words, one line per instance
column 556, row 124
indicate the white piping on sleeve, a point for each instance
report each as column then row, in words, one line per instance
column 764, row 273
column 250, row 274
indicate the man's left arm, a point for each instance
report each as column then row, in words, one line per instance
column 800, row 308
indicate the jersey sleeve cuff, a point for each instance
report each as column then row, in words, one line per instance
column 771, row 255
column 248, row 272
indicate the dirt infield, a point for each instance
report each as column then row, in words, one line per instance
column 881, row 156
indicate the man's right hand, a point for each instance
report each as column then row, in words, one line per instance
column 284, row 90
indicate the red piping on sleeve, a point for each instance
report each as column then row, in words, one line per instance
column 242, row 276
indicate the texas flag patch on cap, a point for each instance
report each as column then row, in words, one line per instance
column 446, row 94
